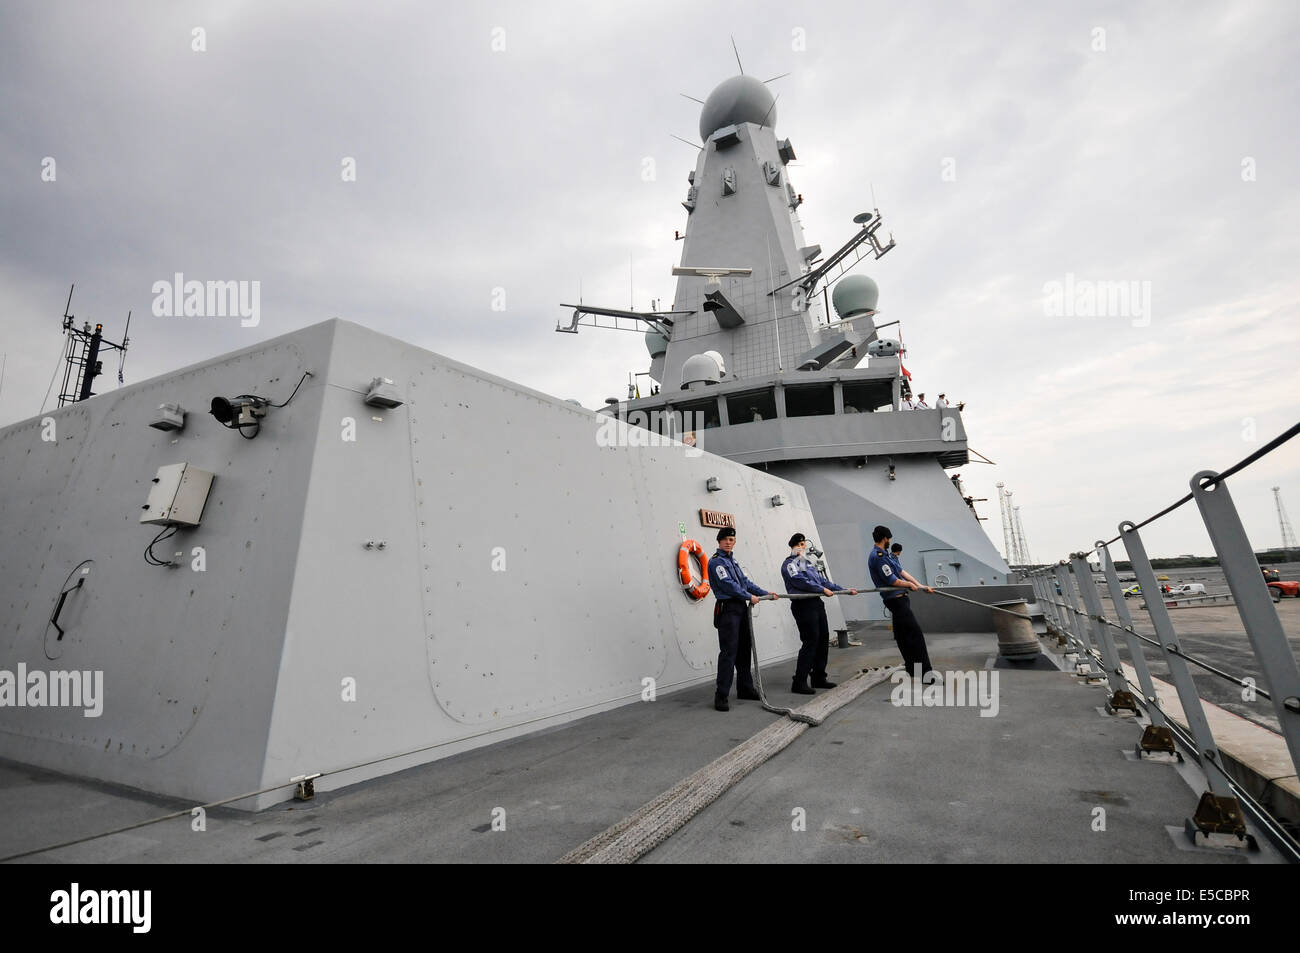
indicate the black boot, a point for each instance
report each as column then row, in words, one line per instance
column 720, row 703
column 800, row 686
column 748, row 694
column 820, row 681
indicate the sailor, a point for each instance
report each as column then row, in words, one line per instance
column 887, row 574
column 801, row 576
column 942, row 402
column 920, row 402
column 895, row 551
column 733, row 590
column 908, row 403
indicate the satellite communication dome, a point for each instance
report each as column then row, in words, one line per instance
column 736, row 100
column 722, row 366
column 655, row 343
column 700, row 368
column 854, row 296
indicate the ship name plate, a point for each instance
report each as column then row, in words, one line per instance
column 717, row 520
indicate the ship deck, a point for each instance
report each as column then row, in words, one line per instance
column 878, row 783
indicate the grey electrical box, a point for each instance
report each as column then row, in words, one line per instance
column 168, row 417
column 178, row 496
column 383, row 393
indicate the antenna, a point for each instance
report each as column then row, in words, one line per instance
column 692, row 98
column 737, row 52
column 81, row 356
column 769, row 109
column 688, row 142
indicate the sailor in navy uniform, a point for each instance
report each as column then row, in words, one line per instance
column 733, row 591
column 887, row 573
column 801, row 576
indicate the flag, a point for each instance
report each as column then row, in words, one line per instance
column 906, row 372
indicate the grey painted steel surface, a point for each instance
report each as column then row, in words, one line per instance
column 1254, row 604
column 922, row 508
column 189, row 659
column 1188, row 697
column 875, row 435
column 934, row 613
column 1135, row 646
column 755, row 225
column 1092, row 602
column 233, row 679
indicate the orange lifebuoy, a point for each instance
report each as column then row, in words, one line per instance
column 688, row 549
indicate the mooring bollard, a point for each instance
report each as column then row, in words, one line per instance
column 1016, row 638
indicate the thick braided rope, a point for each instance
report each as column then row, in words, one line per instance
column 651, row 825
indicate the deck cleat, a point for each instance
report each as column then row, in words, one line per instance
column 1122, row 704
column 1219, row 822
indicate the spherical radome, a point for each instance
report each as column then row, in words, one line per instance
column 700, row 367
column 736, row 100
column 854, row 295
column 655, row 343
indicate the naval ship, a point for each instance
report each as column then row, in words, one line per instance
column 320, row 594
column 750, row 350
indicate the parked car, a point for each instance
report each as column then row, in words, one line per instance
column 1284, row 587
column 1132, row 591
column 1185, row 589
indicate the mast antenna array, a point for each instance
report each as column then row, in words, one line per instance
column 82, row 355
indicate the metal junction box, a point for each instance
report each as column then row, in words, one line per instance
column 178, row 496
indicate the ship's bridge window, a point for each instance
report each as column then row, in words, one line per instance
column 812, row 400
column 863, row 397
column 706, row 410
column 751, row 407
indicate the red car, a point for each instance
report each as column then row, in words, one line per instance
column 1285, row 588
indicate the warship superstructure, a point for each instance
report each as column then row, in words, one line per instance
column 370, row 556
column 750, row 348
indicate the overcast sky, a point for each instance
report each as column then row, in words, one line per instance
column 1010, row 145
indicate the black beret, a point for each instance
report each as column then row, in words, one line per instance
column 725, row 532
column 796, row 539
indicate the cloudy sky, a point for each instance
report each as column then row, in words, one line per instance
column 503, row 146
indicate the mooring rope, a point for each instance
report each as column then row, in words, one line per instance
column 652, row 824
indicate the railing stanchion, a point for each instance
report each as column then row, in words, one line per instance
column 1156, row 737
column 1077, row 628
column 1121, row 699
column 1254, row 604
column 1218, row 812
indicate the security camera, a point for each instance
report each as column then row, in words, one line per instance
column 239, row 412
